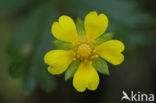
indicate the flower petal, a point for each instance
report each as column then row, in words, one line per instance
column 95, row 25
column 59, row 60
column 65, row 29
column 85, row 77
column 111, row 51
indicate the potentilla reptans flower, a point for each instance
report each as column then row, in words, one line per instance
column 83, row 49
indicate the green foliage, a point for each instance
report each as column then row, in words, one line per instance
column 72, row 69
column 62, row 45
column 101, row 66
column 104, row 37
column 17, row 70
column 29, row 45
column 29, row 81
column 46, row 81
column 9, row 6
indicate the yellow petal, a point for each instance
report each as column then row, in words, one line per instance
column 58, row 60
column 65, row 29
column 85, row 77
column 95, row 25
column 111, row 51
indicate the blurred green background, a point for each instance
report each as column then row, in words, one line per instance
column 25, row 36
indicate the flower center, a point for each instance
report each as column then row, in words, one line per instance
column 83, row 51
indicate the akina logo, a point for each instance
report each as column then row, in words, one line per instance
column 138, row 96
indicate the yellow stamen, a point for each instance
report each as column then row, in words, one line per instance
column 83, row 51
column 96, row 56
column 85, row 60
column 90, row 62
column 74, row 59
column 94, row 51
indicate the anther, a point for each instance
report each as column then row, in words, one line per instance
column 94, row 51
column 90, row 62
column 93, row 57
column 85, row 60
column 96, row 56
column 74, row 59
column 74, row 53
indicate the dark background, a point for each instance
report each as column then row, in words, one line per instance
column 25, row 37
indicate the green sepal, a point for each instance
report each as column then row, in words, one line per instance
column 80, row 26
column 72, row 69
column 101, row 66
column 104, row 37
column 62, row 45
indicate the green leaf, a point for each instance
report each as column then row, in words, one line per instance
column 29, row 84
column 62, row 45
column 101, row 66
column 80, row 26
column 72, row 69
column 35, row 31
column 104, row 37
column 16, row 70
column 46, row 81
column 29, row 81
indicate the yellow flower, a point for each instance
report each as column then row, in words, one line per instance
column 83, row 49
